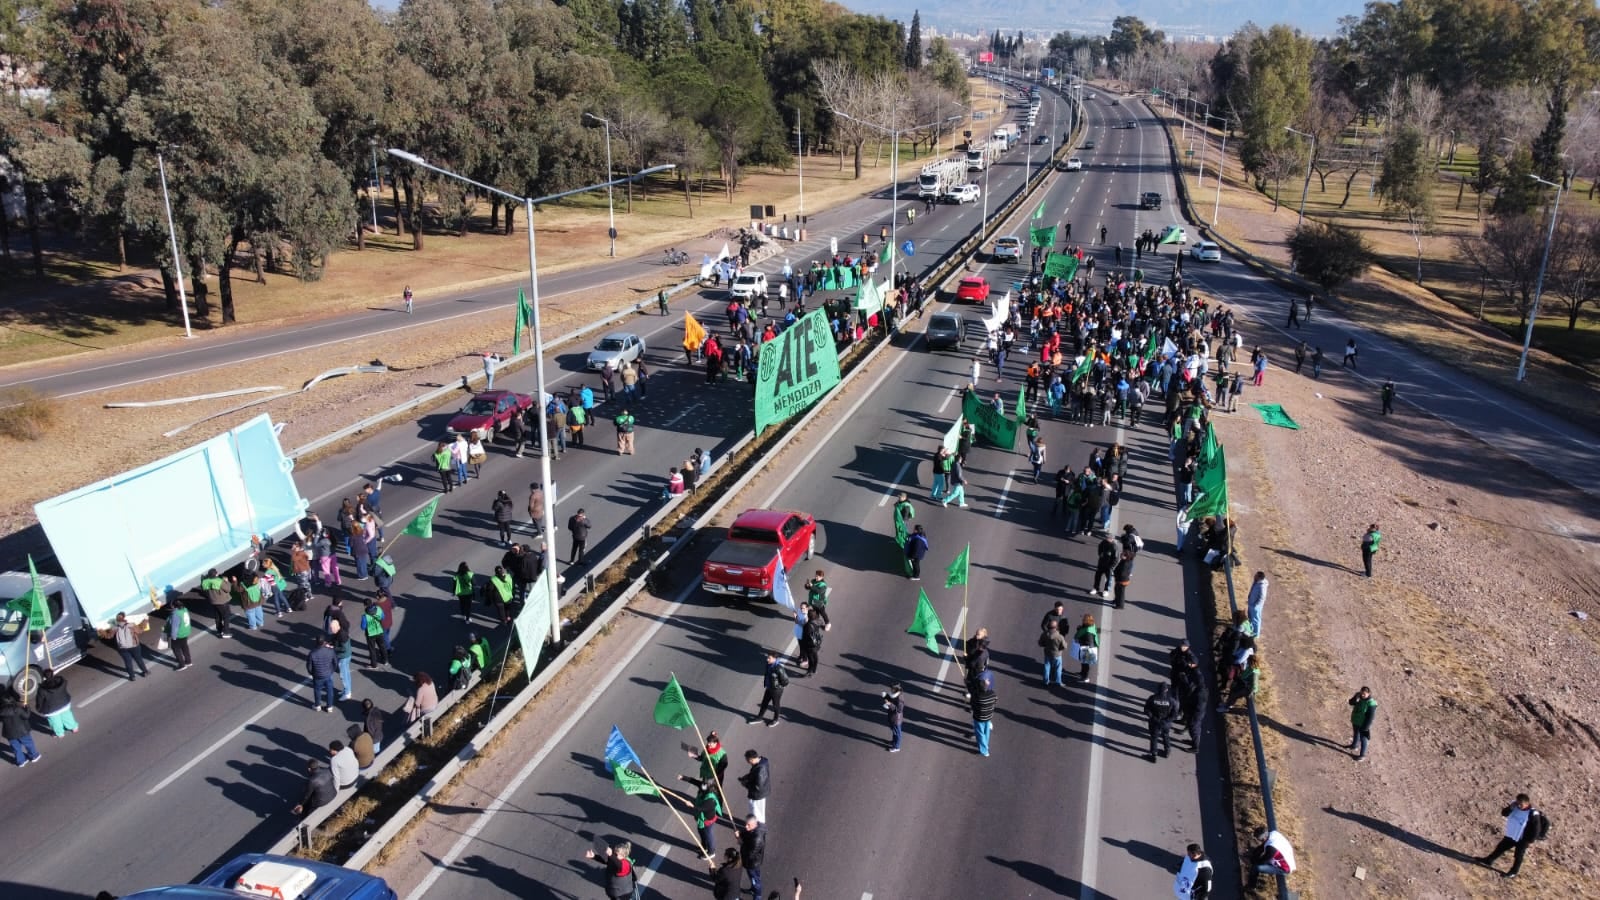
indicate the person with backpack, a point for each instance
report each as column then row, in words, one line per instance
column 1036, row 459
column 1363, row 710
column 178, row 629
column 1524, row 825
column 811, row 634
column 773, row 680
column 460, row 668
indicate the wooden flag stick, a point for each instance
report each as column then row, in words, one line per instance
column 663, row 793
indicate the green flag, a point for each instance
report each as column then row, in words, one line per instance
column 1022, row 404
column 1042, row 237
column 422, row 525
column 672, row 710
column 1061, row 265
column 1039, row 213
column 33, row 602
column 632, row 782
column 888, row 251
column 1212, row 488
column 926, row 623
column 1171, row 237
column 524, row 320
column 1274, row 414
column 957, row 573
column 1083, row 367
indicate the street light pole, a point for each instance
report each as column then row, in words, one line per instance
column 1538, row 289
column 172, row 232
column 1222, row 163
column 800, row 154
column 611, row 205
column 545, row 474
column 372, row 194
column 1306, row 188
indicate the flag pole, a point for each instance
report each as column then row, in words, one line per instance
column 703, row 748
column 662, row 793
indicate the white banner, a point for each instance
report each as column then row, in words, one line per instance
column 533, row 624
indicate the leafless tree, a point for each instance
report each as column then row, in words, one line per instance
column 845, row 92
column 1506, row 257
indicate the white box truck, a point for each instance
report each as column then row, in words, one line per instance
column 127, row 543
column 938, row 178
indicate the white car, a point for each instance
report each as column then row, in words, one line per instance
column 1167, row 237
column 749, row 284
column 1205, row 251
column 615, row 349
column 1009, row 247
column 964, row 193
column 1074, row 164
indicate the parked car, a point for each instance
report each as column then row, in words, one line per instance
column 973, row 289
column 1205, row 251
column 1174, row 235
column 615, row 349
column 1074, row 165
column 1008, row 247
column 944, row 330
column 745, row 564
column 964, row 193
column 749, row 284
column 1042, row 139
column 488, row 412
column 1149, row 200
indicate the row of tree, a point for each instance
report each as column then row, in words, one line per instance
column 271, row 115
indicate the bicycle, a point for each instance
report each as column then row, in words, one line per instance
column 675, row 257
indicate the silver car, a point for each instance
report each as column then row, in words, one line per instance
column 615, row 349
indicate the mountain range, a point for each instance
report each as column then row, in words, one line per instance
column 1176, row 17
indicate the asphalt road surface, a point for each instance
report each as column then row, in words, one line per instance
column 1065, row 806
column 176, row 772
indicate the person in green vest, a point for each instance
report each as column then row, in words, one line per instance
column 713, row 767
column 479, row 648
column 1363, row 710
column 904, row 512
column 1369, row 546
column 624, row 422
column 464, row 584
column 817, row 593
column 443, row 463
column 460, row 668
column 707, row 808
column 500, row 591
column 372, row 627
column 178, row 630
column 247, row 594
column 216, row 592
column 577, row 417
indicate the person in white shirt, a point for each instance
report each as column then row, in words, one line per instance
column 1193, row 881
column 344, row 765
column 1274, row 856
column 1258, row 599
column 1524, row 825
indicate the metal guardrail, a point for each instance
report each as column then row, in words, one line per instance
column 1264, row 772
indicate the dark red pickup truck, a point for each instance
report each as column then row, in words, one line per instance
column 746, row 563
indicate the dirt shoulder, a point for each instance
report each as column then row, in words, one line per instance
column 1468, row 636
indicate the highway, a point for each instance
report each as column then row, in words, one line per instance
column 213, row 758
column 1065, row 806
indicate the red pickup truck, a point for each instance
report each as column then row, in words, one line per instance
column 745, row 564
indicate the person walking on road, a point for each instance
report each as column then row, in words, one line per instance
column 773, row 680
column 215, row 591
column 1300, row 351
column 178, row 629
column 1524, row 825
column 983, row 702
column 757, row 784
column 1106, row 556
column 491, row 363
column 464, row 585
column 55, row 704
column 406, row 295
column 811, row 634
column 1369, row 547
column 916, row 549
column 1122, row 573
column 894, row 706
column 624, row 423
column 1054, row 644
column 130, row 647
column 1316, row 362
column 1086, row 646
column 1294, row 313
column 443, row 463
column 621, row 881
column 1159, row 711
column 1349, row 354
column 1363, row 711
column 320, row 665
column 958, row 486
column 753, row 850
column 1386, row 394
column 1193, row 881
column 1192, row 702
column 502, row 516
column 536, row 508
column 578, row 527
column 499, row 592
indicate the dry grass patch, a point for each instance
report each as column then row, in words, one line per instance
column 25, row 415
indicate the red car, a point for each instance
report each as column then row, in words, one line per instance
column 973, row 290
column 489, row 412
column 745, row 564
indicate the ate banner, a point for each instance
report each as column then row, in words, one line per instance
column 992, row 426
column 796, row 368
column 1061, row 265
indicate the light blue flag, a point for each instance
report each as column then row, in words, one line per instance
column 781, row 594
column 618, row 752
column 908, row 248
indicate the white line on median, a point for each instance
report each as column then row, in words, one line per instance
column 894, row 486
column 650, row 870
column 1005, row 490
column 944, row 667
column 226, row 739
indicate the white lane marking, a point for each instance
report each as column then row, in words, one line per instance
column 503, row 798
column 866, row 897
column 103, row 691
column 679, row 417
column 1005, row 490
column 948, row 397
column 650, row 870
column 894, row 486
column 1091, row 814
column 944, row 666
column 227, row 739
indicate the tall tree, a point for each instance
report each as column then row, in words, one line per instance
column 914, row 43
column 1406, row 184
column 1276, row 92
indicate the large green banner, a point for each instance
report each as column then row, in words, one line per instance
column 1061, row 265
column 796, row 368
column 992, row 426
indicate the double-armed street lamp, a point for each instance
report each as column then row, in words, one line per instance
column 1310, row 158
column 611, row 204
column 1538, row 288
